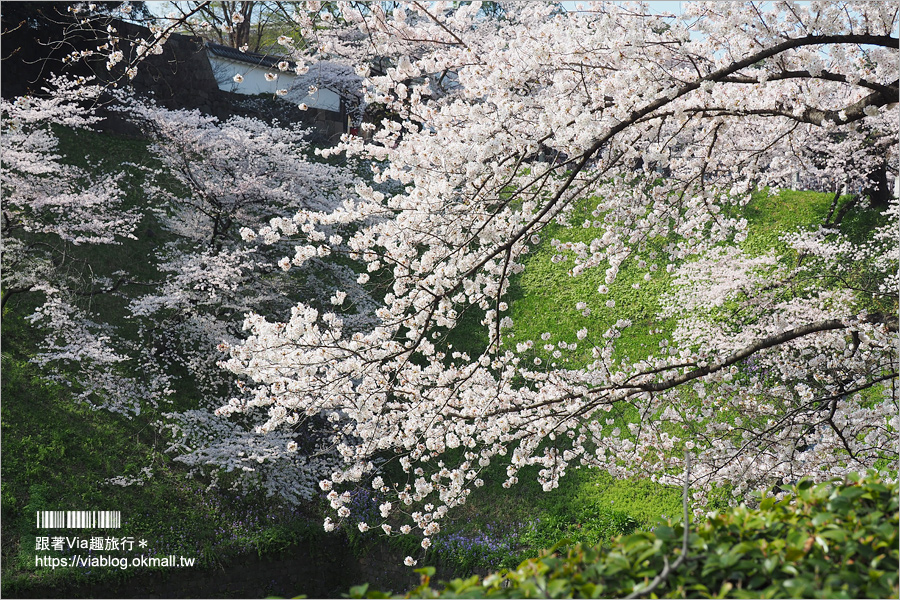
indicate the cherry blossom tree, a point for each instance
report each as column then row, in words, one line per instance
column 211, row 189
column 247, row 25
column 238, row 186
column 50, row 210
column 778, row 367
column 44, row 197
column 658, row 128
column 229, row 23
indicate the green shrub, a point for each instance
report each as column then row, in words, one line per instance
column 831, row 540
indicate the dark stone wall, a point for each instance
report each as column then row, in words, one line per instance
column 38, row 36
column 179, row 78
column 322, row 569
column 324, row 126
column 28, row 45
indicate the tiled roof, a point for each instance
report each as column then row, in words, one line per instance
column 252, row 58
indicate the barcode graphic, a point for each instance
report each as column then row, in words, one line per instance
column 79, row 519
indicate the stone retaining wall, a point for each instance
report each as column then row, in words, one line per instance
column 179, row 78
column 323, row 569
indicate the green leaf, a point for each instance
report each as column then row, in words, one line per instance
column 852, row 492
column 664, row 532
column 805, row 483
column 838, row 535
column 723, row 591
column 793, row 550
column 426, row 571
column 556, row 587
column 823, row 517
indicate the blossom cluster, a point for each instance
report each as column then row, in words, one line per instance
column 502, row 130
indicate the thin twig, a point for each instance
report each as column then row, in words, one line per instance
column 667, row 569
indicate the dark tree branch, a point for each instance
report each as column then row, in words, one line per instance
column 887, row 90
column 119, row 283
column 769, row 342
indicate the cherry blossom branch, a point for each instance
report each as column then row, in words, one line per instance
column 769, row 342
column 650, row 108
column 440, row 24
column 885, row 90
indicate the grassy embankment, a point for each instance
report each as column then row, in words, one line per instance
column 590, row 506
column 59, row 453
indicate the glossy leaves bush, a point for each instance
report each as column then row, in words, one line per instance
column 831, row 540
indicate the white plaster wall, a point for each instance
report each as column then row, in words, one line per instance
column 254, row 77
column 323, row 99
